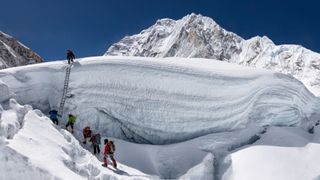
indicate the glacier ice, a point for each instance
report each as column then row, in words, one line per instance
column 164, row 101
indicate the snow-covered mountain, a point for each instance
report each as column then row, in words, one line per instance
column 197, row 118
column 13, row 53
column 196, row 36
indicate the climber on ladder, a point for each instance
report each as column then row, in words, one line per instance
column 70, row 56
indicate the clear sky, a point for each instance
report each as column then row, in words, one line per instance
column 89, row 27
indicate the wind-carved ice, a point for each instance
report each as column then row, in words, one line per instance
column 165, row 100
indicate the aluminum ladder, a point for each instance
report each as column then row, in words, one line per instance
column 65, row 89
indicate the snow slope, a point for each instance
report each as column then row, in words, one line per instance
column 32, row 148
column 197, row 36
column 282, row 153
column 196, row 158
column 13, row 53
column 164, row 101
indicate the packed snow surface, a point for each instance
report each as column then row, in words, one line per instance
column 282, row 153
column 165, row 100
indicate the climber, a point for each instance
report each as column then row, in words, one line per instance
column 86, row 134
column 54, row 116
column 71, row 121
column 96, row 141
column 70, row 56
column 109, row 149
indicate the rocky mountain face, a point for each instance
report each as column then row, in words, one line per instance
column 13, row 53
column 196, row 36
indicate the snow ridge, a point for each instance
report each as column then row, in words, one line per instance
column 165, row 101
column 155, row 102
column 197, row 36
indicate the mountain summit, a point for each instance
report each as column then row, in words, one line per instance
column 13, row 53
column 197, row 36
column 192, row 36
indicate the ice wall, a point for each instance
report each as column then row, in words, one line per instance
column 164, row 101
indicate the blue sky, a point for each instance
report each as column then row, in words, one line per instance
column 49, row 27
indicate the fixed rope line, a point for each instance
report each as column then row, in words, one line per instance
column 65, row 90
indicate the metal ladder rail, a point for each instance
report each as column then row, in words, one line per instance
column 65, row 90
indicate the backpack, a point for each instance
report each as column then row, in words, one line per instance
column 112, row 146
column 53, row 114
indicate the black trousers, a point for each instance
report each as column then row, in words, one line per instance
column 55, row 121
column 70, row 59
column 96, row 149
column 69, row 124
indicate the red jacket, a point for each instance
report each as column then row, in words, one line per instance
column 86, row 132
column 106, row 149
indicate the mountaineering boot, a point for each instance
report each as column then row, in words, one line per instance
column 69, row 95
column 105, row 162
column 114, row 164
